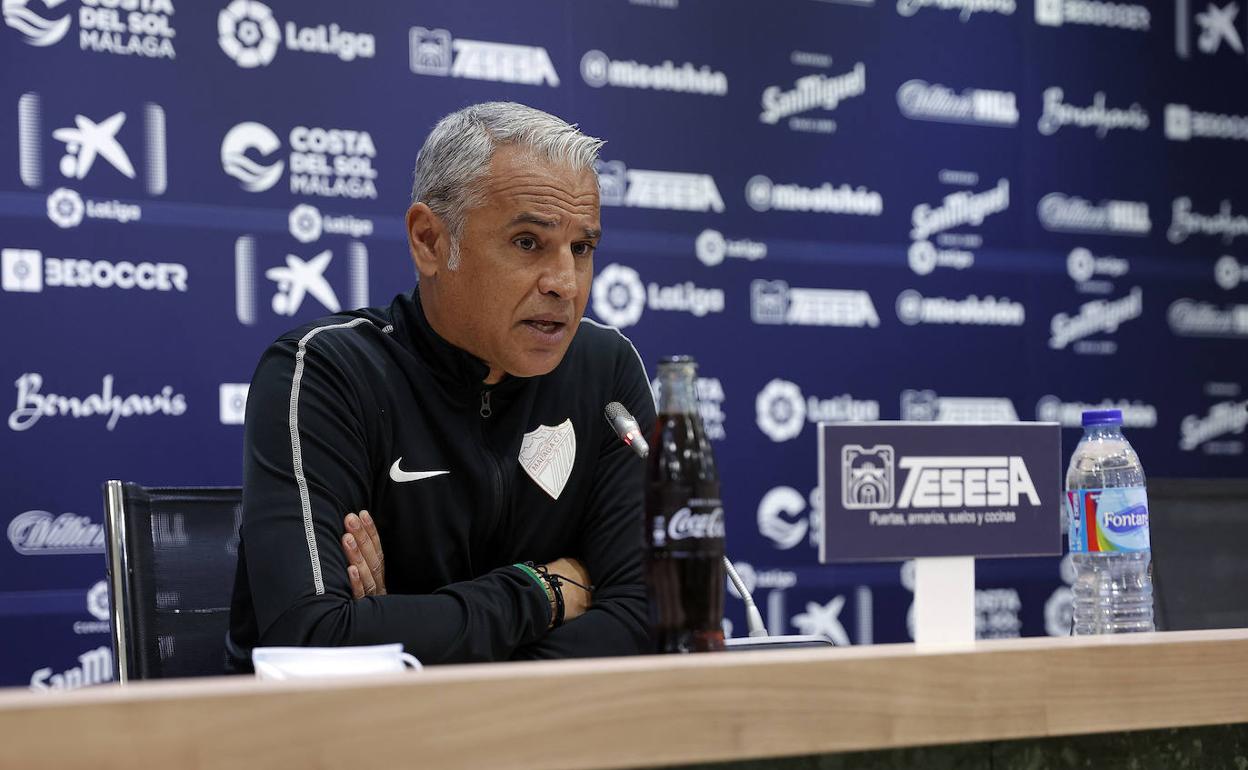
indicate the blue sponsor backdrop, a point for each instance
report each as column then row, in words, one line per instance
column 861, row 210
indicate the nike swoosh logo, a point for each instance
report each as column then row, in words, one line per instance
column 401, row 475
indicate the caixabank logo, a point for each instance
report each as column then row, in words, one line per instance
column 121, row 150
column 249, row 33
column 1217, row 28
column 298, row 280
column 323, row 162
column 139, row 28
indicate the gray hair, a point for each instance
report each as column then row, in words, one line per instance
column 457, row 154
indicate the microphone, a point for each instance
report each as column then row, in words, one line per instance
column 625, row 426
column 753, row 620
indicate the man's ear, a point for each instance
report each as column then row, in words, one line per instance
column 427, row 239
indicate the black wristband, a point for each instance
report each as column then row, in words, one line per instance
column 556, row 588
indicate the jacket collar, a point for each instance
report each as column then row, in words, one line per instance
column 458, row 369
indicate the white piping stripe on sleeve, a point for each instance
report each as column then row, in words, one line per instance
column 296, row 450
column 634, row 347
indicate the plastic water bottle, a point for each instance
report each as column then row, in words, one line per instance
column 1107, row 517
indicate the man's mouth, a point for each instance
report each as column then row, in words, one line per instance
column 545, row 327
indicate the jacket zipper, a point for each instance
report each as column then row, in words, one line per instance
column 496, row 473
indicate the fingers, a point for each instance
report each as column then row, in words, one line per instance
column 368, row 542
column 358, row 565
column 357, row 585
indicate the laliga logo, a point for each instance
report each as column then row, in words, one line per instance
column 248, row 33
column 238, row 141
column 780, row 410
column 38, row 31
column 65, row 208
column 619, row 296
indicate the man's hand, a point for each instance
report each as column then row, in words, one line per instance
column 366, row 565
column 575, row 599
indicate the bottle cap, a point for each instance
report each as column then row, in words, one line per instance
column 677, row 360
column 1102, row 417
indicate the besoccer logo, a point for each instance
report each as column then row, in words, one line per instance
column 867, row 476
column 97, row 601
column 38, row 31
column 619, row 296
column 65, row 208
column 780, row 410
column 240, row 140
column 248, row 33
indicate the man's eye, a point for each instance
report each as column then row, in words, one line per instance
column 582, row 249
column 527, row 243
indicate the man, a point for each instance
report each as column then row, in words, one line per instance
column 463, row 424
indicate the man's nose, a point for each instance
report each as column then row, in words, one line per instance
column 559, row 274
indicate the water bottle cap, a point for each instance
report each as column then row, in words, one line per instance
column 1102, row 417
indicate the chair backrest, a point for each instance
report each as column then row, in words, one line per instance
column 171, row 553
column 1199, row 529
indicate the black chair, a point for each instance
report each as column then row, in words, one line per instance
column 172, row 552
column 1199, row 529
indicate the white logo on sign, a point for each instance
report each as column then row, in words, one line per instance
column 305, row 223
column 547, row 455
column 233, row 396
column 65, row 207
column 37, row 30
column 619, row 296
column 1225, row 224
column 920, row 100
column 913, row 309
column 809, row 92
column 648, row 189
column 763, row 195
column 97, row 601
column 926, row 406
column 248, row 33
column 246, row 137
column 1229, row 273
column 1061, row 213
column 22, row 270
column 965, row 8
column 1224, row 418
column 299, row 279
column 598, row 70
column 1055, row 13
column 39, row 533
column 1095, row 317
column 780, row 410
column 1082, row 266
column 711, row 247
column 94, row 667
column 867, row 476
column 973, row 482
column 32, row 405
column 1184, row 124
column 780, row 517
column 434, row 52
column 1135, row 414
column 1192, row 318
column 1058, row 114
column 88, row 140
column 775, row 302
column 958, row 209
column 823, row 620
column 1217, row 26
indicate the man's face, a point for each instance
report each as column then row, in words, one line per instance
column 526, row 264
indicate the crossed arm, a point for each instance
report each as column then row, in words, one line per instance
column 366, row 569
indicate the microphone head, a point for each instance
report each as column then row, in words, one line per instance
column 625, row 426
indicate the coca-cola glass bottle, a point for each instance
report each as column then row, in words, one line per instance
column 684, row 534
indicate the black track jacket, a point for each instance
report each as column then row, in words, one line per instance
column 346, row 413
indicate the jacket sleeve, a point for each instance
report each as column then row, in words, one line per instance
column 306, row 465
column 611, row 539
